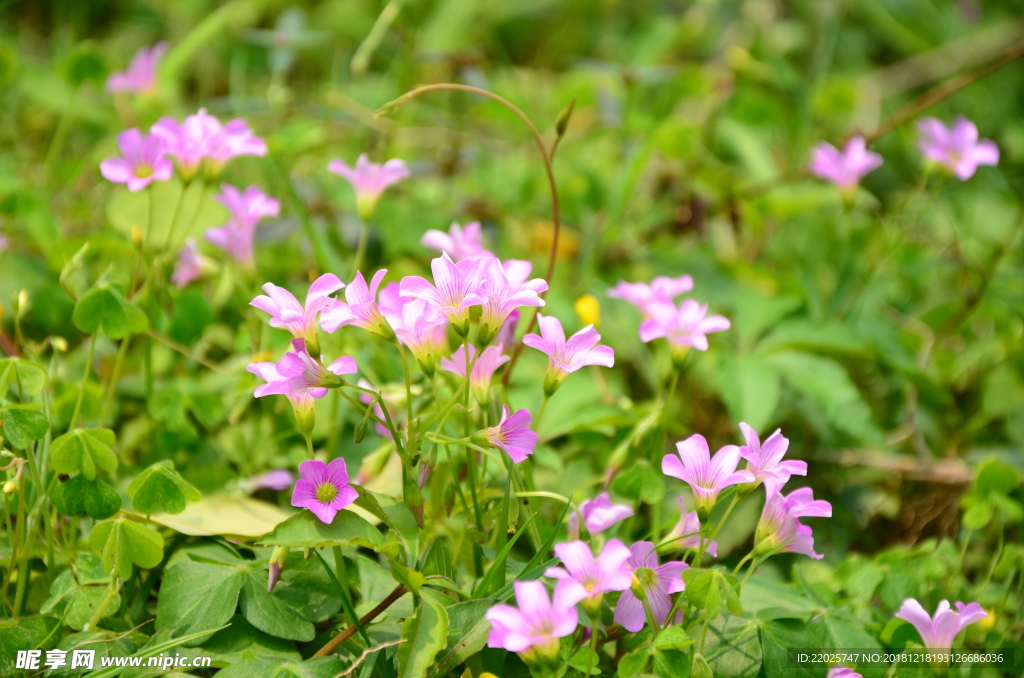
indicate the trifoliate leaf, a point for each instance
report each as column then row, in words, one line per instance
column 121, row 542
column 104, row 307
column 83, row 450
column 94, row 497
column 161, row 489
column 24, row 423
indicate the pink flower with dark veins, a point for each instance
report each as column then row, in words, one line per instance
column 188, row 142
column 369, row 180
column 592, row 577
column 705, row 475
column 140, row 76
column 300, row 377
column 780, row 529
column 844, row 168
column 286, row 311
column 483, row 370
column 654, row 582
column 957, row 148
column 456, row 288
column 938, row 632
column 600, row 513
column 359, row 308
column 765, row 461
column 422, row 332
column 512, row 434
column 323, row 488
column 460, row 242
column 141, row 163
column 506, row 289
column 565, row 357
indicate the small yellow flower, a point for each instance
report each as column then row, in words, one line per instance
column 588, row 309
column 988, row 622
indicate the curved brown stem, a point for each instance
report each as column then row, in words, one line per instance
column 337, row 640
column 546, row 156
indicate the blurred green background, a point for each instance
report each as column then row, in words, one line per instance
column 883, row 337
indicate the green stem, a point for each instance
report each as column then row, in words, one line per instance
column 174, row 217
column 104, row 604
column 364, row 233
column 650, row 615
column 540, row 412
column 593, row 648
column 85, row 380
column 725, row 516
column 112, row 387
column 309, row 445
column 739, row 565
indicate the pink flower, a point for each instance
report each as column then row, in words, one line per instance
column 286, row 311
column 188, row 142
column 274, row 479
column 506, row 288
column 4, row 242
column 456, row 288
column 460, row 242
column 844, row 168
column 299, row 376
column 706, row 476
column 842, row 672
column 140, row 76
column 369, row 180
column 512, row 434
column 765, row 462
column 958, row 148
column 507, row 335
column 662, row 289
column 600, row 513
column 683, row 326
column 483, row 370
column 359, row 308
column 232, row 140
column 565, row 357
column 589, row 578
column 534, row 628
column 142, row 161
column 686, row 533
column 419, row 330
column 323, row 488
column 780, row 529
column 189, row 265
column 654, row 582
column 938, row 632
column 236, row 236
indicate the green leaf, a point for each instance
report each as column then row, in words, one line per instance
column 15, row 371
column 467, row 633
column 23, row 423
column 438, row 559
column 86, row 64
column 93, row 497
column 167, row 405
column 395, row 514
column 585, row 657
column 978, row 512
column 633, row 663
column 121, row 542
column 423, row 635
column 777, row 637
column 672, row 638
column 22, row 634
column 208, row 409
column 642, row 482
column 733, row 647
column 78, row 601
column 305, row 530
column 994, row 476
column 750, row 387
column 83, row 450
column 160, row 489
column 317, row 667
column 306, row 587
column 105, row 308
column 192, row 314
column 701, row 668
column 270, row 614
column 197, row 597
column 702, row 590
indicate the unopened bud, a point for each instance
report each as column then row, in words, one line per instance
column 278, row 560
column 60, row 344
column 423, row 474
column 22, row 303
column 10, row 486
column 562, row 123
column 136, row 237
column 361, row 428
column 448, row 499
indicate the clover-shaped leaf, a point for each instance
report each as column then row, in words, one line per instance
column 29, row 377
column 83, row 450
column 23, row 423
column 105, row 307
column 161, row 489
column 94, row 497
column 121, row 542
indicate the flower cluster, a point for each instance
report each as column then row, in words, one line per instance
column 956, row 148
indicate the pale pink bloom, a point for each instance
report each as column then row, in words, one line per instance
column 844, row 168
column 140, row 76
column 600, row 513
column 483, row 370
column 512, row 434
column 655, row 581
column 274, row 479
column 662, row 289
column 842, row 672
column 765, row 461
column 247, row 209
column 706, row 476
column 419, row 330
column 535, row 627
column 507, row 335
column 505, row 289
column 938, row 632
column 565, row 357
column 686, row 325
column 780, row 529
column 142, row 161
column 4, row 242
column 456, row 288
column 187, row 142
column 359, row 308
column 686, row 533
column 286, row 311
column 589, row 577
column 369, row 180
column 460, row 242
column 299, row 376
column 323, row 488
column 958, row 148
column 188, row 268
column 232, row 140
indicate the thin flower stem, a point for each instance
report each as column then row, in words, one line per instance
column 739, row 565
column 728, row 512
column 104, row 604
column 112, row 386
column 593, row 649
column 309, row 445
column 753, row 566
column 174, row 217
column 408, row 384
column 540, row 412
column 364, row 234
column 85, row 380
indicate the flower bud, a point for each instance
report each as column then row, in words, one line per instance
column 136, row 238
column 10, row 486
column 361, row 428
column 22, row 304
column 562, row 122
column 59, row 344
column 448, row 499
column 278, row 560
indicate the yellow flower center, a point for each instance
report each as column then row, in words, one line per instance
column 142, row 171
column 326, row 493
